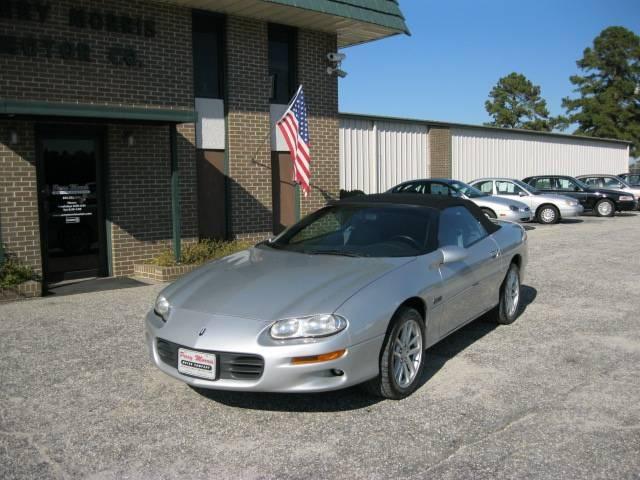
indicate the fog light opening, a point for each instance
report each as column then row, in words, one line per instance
column 325, row 357
column 337, row 372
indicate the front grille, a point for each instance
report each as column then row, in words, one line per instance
column 231, row 366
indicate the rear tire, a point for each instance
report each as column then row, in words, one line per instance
column 510, row 295
column 605, row 208
column 401, row 358
column 489, row 213
column 547, row 214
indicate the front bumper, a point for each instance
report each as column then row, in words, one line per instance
column 512, row 216
column 358, row 364
column 626, row 206
column 567, row 211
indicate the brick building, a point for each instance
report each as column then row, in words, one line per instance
column 130, row 126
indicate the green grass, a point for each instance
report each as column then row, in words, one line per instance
column 198, row 253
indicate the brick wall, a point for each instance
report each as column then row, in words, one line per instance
column 19, row 224
column 321, row 94
column 139, row 192
column 440, row 151
column 249, row 148
column 161, row 77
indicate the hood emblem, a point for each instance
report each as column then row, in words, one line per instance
column 201, row 332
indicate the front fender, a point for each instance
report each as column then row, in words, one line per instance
column 370, row 309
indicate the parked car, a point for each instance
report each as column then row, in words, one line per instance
column 493, row 207
column 547, row 207
column 632, row 179
column 353, row 293
column 604, row 202
column 612, row 182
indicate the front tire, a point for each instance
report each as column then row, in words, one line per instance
column 605, row 208
column 402, row 357
column 548, row 214
column 510, row 295
column 489, row 213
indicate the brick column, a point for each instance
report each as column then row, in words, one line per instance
column 321, row 94
column 248, row 129
column 440, row 152
column 19, row 221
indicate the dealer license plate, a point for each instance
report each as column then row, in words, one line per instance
column 197, row 364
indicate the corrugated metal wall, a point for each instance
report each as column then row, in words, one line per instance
column 482, row 153
column 375, row 155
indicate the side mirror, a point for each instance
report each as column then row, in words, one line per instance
column 452, row 253
column 522, row 194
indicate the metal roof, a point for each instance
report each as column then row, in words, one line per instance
column 354, row 21
column 438, row 123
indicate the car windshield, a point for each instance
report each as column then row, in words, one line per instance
column 527, row 187
column 360, row 231
column 468, row 190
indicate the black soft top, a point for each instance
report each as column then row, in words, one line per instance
column 437, row 202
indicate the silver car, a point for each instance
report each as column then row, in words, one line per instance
column 546, row 207
column 493, row 207
column 612, row 182
column 352, row 294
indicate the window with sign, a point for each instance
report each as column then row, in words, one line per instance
column 509, row 188
column 567, row 185
column 485, row 186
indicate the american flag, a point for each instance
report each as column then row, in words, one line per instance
column 295, row 129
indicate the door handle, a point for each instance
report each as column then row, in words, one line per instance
column 494, row 253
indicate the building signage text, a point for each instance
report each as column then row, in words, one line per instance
column 40, row 11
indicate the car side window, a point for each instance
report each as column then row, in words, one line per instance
column 567, row 184
column 438, row 189
column 458, row 227
column 508, row 188
column 485, row 186
column 543, row 183
column 611, row 183
column 592, row 181
column 413, row 187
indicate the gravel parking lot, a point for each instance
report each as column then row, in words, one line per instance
column 555, row 395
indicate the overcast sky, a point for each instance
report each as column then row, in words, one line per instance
column 458, row 49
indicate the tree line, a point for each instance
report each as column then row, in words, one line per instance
column 607, row 100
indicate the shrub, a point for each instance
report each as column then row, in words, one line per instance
column 201, row 252
column 13, row 272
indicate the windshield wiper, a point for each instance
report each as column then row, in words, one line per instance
column 342, row 253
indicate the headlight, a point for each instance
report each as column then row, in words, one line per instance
column 626, row 198
column 162, row 307
column 571, row 203
column 305, row 327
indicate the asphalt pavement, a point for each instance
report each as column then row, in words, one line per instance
column 554, row 395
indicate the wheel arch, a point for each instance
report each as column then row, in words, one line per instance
column 547, row 204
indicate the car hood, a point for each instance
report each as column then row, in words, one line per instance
column 267, row 284
column 497, row 202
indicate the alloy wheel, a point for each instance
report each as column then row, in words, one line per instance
column 548, row 215
column 604, row 208
column 407, row 353
column 512, row 293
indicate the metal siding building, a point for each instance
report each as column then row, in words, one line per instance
column 377, row 153
column 481, row 152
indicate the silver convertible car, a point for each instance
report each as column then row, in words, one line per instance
column 352, row 294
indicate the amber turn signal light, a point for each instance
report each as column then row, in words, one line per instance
column 325, row 357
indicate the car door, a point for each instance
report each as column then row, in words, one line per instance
column 544, row 184
column 466, row 283
column 509, row 189
column 567, row 186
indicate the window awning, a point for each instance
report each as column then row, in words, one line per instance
column 115, row 112
column 354, row 21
